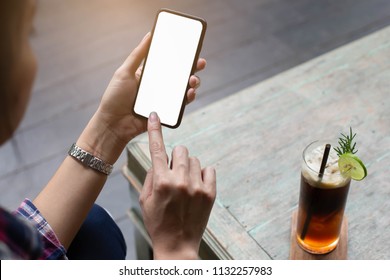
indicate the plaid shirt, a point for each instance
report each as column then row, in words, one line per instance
column 25, row 234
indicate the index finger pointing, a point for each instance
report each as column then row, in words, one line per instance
column 156, row 143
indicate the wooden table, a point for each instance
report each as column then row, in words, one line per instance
column 255, row 139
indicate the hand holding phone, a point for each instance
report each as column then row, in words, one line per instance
column 174, row 50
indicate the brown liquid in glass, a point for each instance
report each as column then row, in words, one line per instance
column 327, row 205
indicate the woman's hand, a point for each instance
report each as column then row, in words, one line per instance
column 176, row 200
column 70, row 194
column 114, row 122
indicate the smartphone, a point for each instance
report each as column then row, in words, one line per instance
column 172, row 57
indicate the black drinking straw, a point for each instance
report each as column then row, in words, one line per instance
column 320, row 175
column 324, row 160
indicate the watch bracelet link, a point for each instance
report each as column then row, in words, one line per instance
column 90, row 160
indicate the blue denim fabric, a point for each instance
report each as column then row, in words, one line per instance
column 99, row 238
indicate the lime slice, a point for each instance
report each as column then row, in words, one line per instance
column 350, row 165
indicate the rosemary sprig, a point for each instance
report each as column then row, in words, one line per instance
column 346, row 144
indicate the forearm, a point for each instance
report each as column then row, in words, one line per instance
column 68, row 197
column 70, row 194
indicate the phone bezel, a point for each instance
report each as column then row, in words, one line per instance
column 194, row 64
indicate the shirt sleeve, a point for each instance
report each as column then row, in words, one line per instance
column 52, row 247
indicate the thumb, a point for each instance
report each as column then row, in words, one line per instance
column 135, row 58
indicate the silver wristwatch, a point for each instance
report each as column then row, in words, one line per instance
column 89, row 160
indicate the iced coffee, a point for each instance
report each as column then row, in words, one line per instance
column 322, row 200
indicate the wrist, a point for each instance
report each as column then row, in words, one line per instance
column 106, row 135
column 174, row 253
column 89, row 160
column 100, row 140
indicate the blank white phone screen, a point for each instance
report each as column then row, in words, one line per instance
column 168, row 67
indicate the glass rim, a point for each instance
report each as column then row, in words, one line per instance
column 320, row 141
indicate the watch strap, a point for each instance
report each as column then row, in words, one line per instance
column 90, row 160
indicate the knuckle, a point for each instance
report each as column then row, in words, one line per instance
column 121, row 73
column 149, row 172
column 210, row 169
column 211, row 196
column 183, row 184
column 141, row 200
column 194, row 161
column 201, row 194
column 162, row 183
column 180, row 150
column 181, row 166
column 198, row 192
column 156, row 147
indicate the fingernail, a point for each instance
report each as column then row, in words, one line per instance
column 153, row 117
